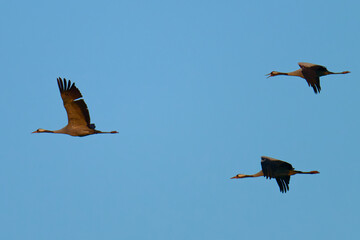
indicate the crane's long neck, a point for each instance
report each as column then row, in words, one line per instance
column 281, row 73
column 297, row 73
column 47, row 131
column 62, row 131
column 259, row 174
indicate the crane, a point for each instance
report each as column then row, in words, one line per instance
column 275, row 168
column 77, row 112
column 310, row 72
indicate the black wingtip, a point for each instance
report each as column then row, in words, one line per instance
column 64, row 84
column 317, row 89
column 283, row 185
column 59, row 83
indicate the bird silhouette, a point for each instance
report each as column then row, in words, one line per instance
column 275, row 168
column 310, row 72
column 77, row 112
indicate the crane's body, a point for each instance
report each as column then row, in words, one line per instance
column 77, row 112
column 310, row 72
column 275, row 168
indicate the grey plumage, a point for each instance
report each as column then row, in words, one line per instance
column 77, row 112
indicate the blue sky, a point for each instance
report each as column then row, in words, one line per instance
column 183, row 83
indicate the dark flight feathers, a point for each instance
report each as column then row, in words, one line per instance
column 78, row 113
column 68, row 91
column 312, row 75
column 283, row 183
column 276, row 168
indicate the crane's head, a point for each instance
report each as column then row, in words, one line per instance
column 272, row 74
column 239, row 176
column 40, row 130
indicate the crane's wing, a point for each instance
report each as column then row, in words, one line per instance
column 306, row 65
column 312, row 73
column 272, row 167
column 77, row 111
column 283, row 183
column 312, row 79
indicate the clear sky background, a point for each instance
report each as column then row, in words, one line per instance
column 183, row 83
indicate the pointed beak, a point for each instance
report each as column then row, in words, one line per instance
column 34, row 132
column 234, row 177
column 268, row 75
